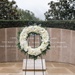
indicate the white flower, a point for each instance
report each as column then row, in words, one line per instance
column 23, row 40
column 34, row 52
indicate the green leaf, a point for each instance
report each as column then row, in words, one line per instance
column 35, row 57
column 19, row 45
column 44, row 52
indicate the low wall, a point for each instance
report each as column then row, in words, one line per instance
column 62, row 45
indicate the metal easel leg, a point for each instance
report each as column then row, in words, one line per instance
column 34, row 66
column 26, row 63
column 42, row 65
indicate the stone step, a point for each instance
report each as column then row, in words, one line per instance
column 36, row 73
column 39, row 65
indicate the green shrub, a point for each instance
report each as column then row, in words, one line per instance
column 67, row 24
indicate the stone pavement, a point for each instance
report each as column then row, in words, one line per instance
column 53, row 68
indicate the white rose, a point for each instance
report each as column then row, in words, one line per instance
column 30, row 52
column 37, row 52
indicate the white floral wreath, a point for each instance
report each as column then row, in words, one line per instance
column 23, row 44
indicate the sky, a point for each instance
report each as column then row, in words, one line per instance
column 38, row 7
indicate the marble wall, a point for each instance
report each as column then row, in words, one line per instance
column 62, row 45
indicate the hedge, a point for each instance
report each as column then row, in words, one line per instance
column 67, row 24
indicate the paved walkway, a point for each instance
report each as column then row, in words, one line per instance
column 53, row 68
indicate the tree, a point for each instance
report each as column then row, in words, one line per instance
column 8, row 10
column 27, row 15
column 61, row 10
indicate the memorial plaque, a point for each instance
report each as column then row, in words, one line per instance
column 2, row 45
column 11, row 39
column 65, row 45
column 72, row 51
column 54, row 53
column 20, row 55
column 11, row 44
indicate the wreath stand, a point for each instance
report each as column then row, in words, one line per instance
column 34, row 67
